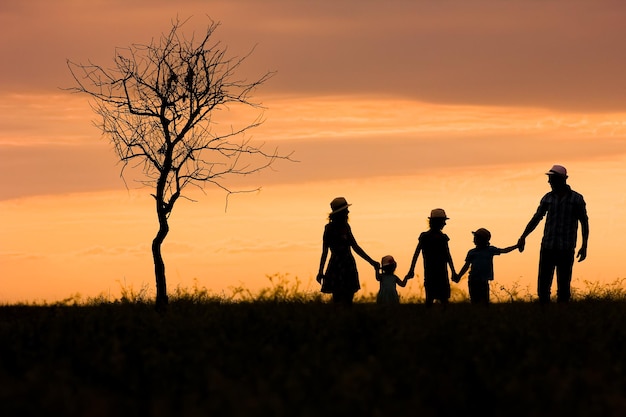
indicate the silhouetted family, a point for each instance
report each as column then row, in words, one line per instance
column 562, row 207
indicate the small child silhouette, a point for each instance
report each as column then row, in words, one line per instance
column 480, row 259
column 388, row 294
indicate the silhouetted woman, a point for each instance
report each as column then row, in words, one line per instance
column 341, row 278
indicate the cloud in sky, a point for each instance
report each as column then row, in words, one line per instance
column 331, row 137
column 357, row 82
column 558, row 54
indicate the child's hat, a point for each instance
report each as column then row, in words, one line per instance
column 438, row 213
column 388, row 260
column 338, row 204
column 483, row 233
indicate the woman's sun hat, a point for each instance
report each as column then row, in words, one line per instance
column 338, row 204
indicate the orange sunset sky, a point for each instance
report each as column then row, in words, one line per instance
column 400, row 106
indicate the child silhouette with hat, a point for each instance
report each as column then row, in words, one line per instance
column 434, row 244
column 480, row 259
column 388, row 293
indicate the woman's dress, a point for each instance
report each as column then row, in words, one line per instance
column 341, row 274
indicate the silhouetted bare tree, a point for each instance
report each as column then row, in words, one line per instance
column 156, row 105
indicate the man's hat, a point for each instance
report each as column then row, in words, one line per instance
column 558, row 170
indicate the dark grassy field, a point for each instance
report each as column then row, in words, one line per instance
column 312, row 359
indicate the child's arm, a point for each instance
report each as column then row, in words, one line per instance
column 402, row 282
column 509, row 249
column 416, row 255
column 462, row 272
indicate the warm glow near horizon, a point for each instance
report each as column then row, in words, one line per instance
column 94, row 243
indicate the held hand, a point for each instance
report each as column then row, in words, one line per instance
column 409, row 275
column 582, row 254
column 521, row 243
column 376, row 266
column 320, row 277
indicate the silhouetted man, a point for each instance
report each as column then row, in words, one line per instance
column 564, row 209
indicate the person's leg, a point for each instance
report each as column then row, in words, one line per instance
column 486, row 290
column 479, row 293
column 547, row 265
column 484, row 293
column 339, row 297
column 429, row 300
column 564, row 266
column 343, row 297
column 428, row 294
column 446, row 292
column 473, row 292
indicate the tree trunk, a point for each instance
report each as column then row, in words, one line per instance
column 159, row 265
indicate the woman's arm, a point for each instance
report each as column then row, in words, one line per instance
column 416, row 255
column 359, row 251
column 320, row 273
column 450, row 262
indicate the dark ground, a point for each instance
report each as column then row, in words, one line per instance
column 313, row 359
